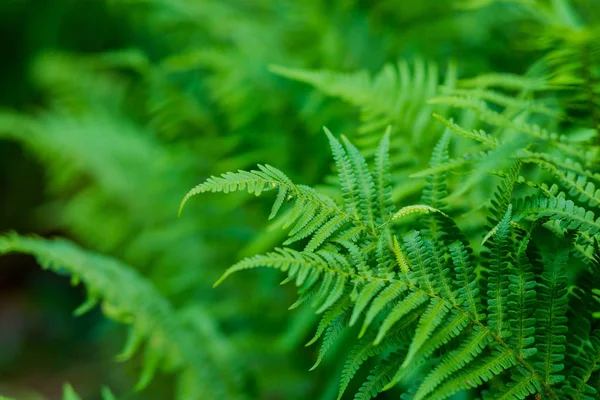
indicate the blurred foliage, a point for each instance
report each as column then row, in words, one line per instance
column 112, row 110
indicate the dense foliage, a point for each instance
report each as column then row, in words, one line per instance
column 455, row 255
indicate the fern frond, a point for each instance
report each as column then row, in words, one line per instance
column 456, row 324
column 505, row 81
column 378, row 378
column 383, row 184
column 346, row 175
column 520, row 388
column 503, row 195
column 435, row 190
column 332, row 333
column 500, row 99
column 331, row 314
column 551, row 320
column 414, row 209
column 432, row 317
column 464, row 270
column 129, row 298
column 482, row 370
column 401, row 258
column 470, row 348
column 437, row 254
column 453, row 164
column 478, row 136
column 578, row 181
column 366, row 349
column 313, row 213
column 421, row 261
column 383, row 299
column 536, row 132
column 497, row 264
column 396, row 95
column 364, row 185
column 570, row 215
column 583, row 379
column 522, row 299
column 367, row 293
column 399, row 311
column 430, row 291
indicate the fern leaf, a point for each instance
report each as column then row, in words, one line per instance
column 551, row 319
column 128, row 297
column 325, row 231
column 334, row 294
column 473, row 376
column 435, row 190
column 478, row 136
column 331, row 335
column 421, row 262
column 437, row 254
column 522, row 388
column 397, row 94
column 557, row 208
column 383, row 185
column 324, row 291
column 535, row 131
column 282, row 259
column 497, row 263
column 378, row 378
column 329, row 316
column 580, row 385
column 281, row 197
column 456, row 324
column 400, row 310
column 312, row 213
column 502, row 197
column 430, row 320
column 521, row 300
column 308, row 215
column 401, row 258
column 465, row 274
column 366, row 349
column 346, row 175
column 414, row 209
column 453, row 164
column 470, row 348
column 572, row 176
column 367, row 293
column 382, row 300
column 365, row 186
column 582, row 358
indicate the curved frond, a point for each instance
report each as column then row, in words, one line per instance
column 130, row 298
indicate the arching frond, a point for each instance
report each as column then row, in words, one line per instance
column 129, row 298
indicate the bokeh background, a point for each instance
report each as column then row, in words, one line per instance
column 112, row 110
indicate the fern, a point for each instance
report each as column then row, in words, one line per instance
column 395, row 95
column 460, row 249
column 129, row 298
column 437, row 312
